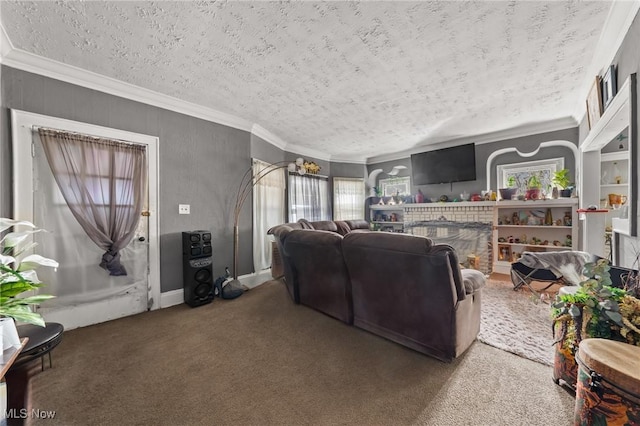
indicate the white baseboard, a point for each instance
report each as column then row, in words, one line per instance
column 176, row 297
column 171, row 298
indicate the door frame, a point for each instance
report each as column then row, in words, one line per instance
column 23, row 122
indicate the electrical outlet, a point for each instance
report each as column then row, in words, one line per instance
column 184, row 209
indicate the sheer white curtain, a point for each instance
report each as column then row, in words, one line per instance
column 308, row 198
column 268, row 211
column 79, row 279
column 348, row 198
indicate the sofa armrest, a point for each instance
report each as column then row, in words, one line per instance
column 472, row 280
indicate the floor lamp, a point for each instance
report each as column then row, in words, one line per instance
column 249, row 180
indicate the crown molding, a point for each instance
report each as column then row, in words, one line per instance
column 500, row 135
column 615, row 29
column 310, row 152
column 35, row 64
column 267, row 136
column 25, row 61
column 5, row 44
column 350, row 160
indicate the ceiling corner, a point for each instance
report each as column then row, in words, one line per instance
column 616, row 27
column 5, row 44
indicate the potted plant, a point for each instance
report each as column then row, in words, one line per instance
column 595, row 309
column 511, row 189
column 561, row 181
column 534, row 186
column 18, row 276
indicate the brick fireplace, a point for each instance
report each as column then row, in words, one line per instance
column 466, row 226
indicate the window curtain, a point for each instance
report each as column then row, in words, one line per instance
column 308, row 198
column 348, row 198
column 268, row 211
column 103, row 182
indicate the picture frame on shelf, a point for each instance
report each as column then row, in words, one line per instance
column 594, row 103
column 396, row 185
column 609, row 86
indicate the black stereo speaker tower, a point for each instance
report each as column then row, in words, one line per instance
column 197, row 270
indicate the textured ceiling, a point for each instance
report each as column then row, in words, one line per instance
column 350, row 79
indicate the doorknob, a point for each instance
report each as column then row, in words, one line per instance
column 145, row 213
column 141, row 239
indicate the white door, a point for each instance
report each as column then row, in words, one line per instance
column 85, row 293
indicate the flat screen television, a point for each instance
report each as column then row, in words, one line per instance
column 446, row 165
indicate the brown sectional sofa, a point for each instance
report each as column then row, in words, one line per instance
column 280, row 233
column 398, row 286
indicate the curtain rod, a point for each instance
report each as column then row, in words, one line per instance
column 311, row 175
column 70, row 132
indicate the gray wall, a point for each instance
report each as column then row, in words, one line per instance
column 200, row 162
column 524, row 144
column 348, row 170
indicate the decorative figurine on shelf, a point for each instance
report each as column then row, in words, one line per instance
column 567, row 241
column 419, row 197
column 515, row 220
column 396, row 198
column 567, row 219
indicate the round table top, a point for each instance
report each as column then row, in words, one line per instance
column 617, row 362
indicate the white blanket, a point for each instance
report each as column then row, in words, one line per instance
column 565, row 264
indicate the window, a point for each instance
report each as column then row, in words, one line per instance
column 521, row 172
column 268, row 210
column 348, row 198
column 395, row 186
column 308, row 198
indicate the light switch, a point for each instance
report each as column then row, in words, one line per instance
column 184, row 209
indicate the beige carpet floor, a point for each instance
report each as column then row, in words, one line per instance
column 262, row 360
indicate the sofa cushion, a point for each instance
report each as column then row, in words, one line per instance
column 324, row 225
column 305, row 224
column 343, row 228
column 473, row 280
column 321, row 274
column 357, row 224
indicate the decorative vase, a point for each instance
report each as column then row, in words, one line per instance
column 9, row 333
column 533, row 194
column 507, row 193
column 419, row 197
column 554, row 192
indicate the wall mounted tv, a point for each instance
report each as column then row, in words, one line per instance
column 446, row 165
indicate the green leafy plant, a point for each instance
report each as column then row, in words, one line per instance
column 561, row 179
column 511, row 182
column 18, row 275
column 534, row 182
column 597, row 309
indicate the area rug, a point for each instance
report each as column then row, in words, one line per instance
column 516, row 322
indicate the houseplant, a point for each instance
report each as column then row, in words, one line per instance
column 511, row 189
column 561, row 181
column 534, row 186
column 595, row 309
column 18, row 276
